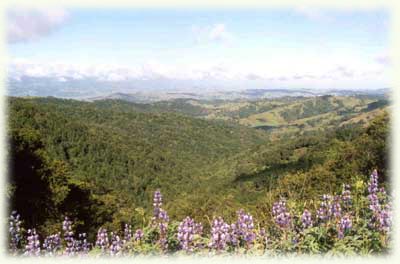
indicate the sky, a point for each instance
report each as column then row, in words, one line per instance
column 233, row 48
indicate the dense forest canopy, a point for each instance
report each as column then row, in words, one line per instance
column 100, row 162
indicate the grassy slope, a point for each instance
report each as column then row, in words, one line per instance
column 303, row 109
column 289, row 114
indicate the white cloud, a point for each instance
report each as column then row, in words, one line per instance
column 30, row 24
column 283, row 72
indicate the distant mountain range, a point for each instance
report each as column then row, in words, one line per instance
column 144, row 91
column 248, row 94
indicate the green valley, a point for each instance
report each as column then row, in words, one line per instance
column 101, row 161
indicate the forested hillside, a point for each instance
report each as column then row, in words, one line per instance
column 121, row 155
column 99, row 163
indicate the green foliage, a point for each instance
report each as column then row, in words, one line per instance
column 100, row 162
column 172, row 239
column 322, row 237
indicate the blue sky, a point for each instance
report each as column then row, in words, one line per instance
column 343, row 48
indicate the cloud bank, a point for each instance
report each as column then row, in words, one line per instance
column 223, row 74
column 31, row 24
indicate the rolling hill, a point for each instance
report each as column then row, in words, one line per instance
column 280, row 116
column 101, row 161
column 122, row 155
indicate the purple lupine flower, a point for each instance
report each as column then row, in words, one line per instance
column 346, row 195
column 187, row 229
column 281, row 215
column 102, row 240
column 127, row 233
column 374, row 204
column 82, row 246
column 52, row 244
column 157, row 203
column 219, row 234
column 373, row 183
column 68, row 237
column 306, row 219
column 245, row 228
column 115, row 245
column 33, row 246
column 163, row 215
column 15, row 231
column 324, row 211
column 381, row 214
column 139, row 234
column 160, row 219
column 344, row 224
column 385, row 218
column 234, row 236
column 163, row 227
column 86, row 246
column 336, row 209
